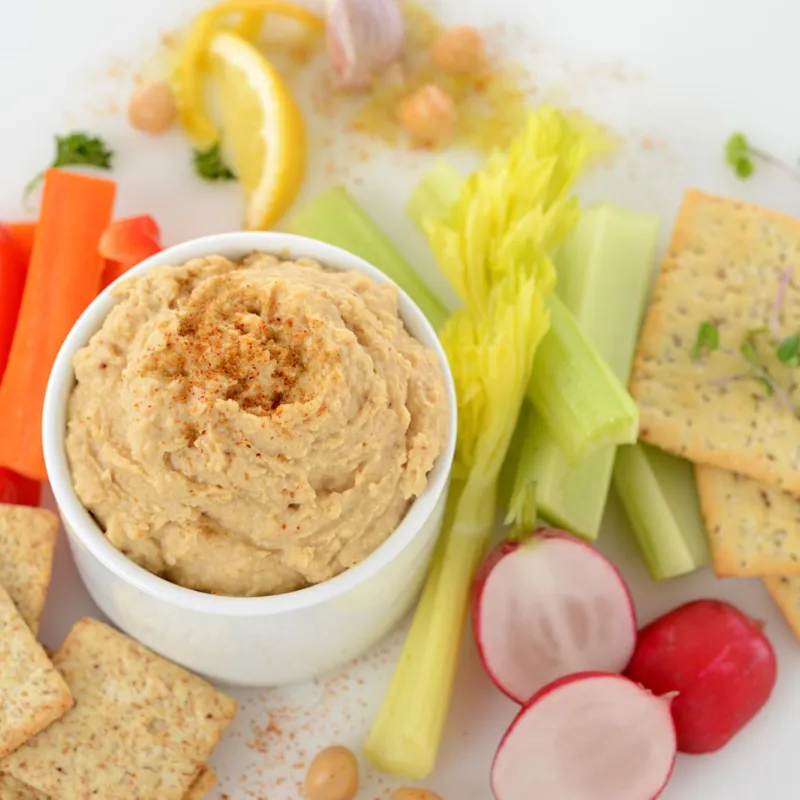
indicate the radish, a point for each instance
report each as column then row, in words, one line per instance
column 718, row 661
column 592, row 736
column 547, row 607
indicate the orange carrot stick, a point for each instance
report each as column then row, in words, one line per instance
column 63, row 278
column 22, row 233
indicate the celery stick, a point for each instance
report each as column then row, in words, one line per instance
column 659, row 496
column 604, row 270
column 335, row 217
column 582, row 403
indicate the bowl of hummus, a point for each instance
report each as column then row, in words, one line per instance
column 249, row 439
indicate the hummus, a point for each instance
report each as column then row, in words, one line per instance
column 253, row 428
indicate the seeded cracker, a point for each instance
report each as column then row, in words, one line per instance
column 724, row 265
column 142, row 728
column 753, row 529
column 12, row 789
column 32, row 693
column 27, row 542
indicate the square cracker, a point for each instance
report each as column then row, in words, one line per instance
column 724, row 265
column 27, row 542
column 32, row 693
column 142, row 727
column 753, row 529
column 12, row 789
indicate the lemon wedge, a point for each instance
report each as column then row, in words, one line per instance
column 263, row 129
column 246, row 18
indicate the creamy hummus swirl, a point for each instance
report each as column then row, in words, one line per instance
column 249, row 429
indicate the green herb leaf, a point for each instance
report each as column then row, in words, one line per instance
column 749, row 348
column 787, row 351
column 769, row 387
column 77, row 148
column 738, row 155
column 707, row 340
column 210, row 165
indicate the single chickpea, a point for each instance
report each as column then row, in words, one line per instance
column 414, row 794
column 459, row 51
column 429, row 115
column 152, row 108
column 332, row 775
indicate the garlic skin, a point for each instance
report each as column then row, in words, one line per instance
column 363, row 37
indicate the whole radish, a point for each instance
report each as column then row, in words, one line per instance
column 718, row 661
column 593, row 736
column 547, row 607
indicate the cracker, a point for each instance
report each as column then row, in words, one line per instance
column 12, row 789
column 753, row 529
column 204, row 783
column 27, row 542
column 785, row 591
column 724, row 265
column 142, row 728
column 32, row 693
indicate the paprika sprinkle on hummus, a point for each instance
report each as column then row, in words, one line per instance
column 253, row 428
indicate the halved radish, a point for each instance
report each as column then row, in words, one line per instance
column 547, row 607
column 591, row 736
column 719, row 663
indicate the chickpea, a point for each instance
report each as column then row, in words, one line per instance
column 429, row 115
column 414, row 794
column 152, row 108
column 332, row 775
column 459, row 51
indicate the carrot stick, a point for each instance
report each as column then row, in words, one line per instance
column 63, row 278
column 13, row 268
column 22, row 233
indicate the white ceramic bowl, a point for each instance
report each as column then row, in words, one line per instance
column 258, row 641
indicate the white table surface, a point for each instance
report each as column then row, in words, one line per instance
column 674, row 78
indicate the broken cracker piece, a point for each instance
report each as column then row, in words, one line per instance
column 27, row 542
column 204, row 783
column 785, row 591
column 32, row 693
column 753, row 529
column 724, row 265
column 142, row 728
column 12, row 789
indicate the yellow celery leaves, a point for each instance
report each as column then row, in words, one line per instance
column 491, row 355
column 514, row 208
column 188, row 76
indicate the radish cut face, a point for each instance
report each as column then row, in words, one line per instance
column 587, row 737
column 549, row 607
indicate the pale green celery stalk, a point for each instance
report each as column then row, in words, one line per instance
column 335, row 217
column 579, row 400
column 582, row 404
column 429, row 659
column 659, row 495
column 604, row 270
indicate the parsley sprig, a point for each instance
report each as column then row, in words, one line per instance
column 210, row 165
column 76, row 149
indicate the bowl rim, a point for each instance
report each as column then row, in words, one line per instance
column 83, row 527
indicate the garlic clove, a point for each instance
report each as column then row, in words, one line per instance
column 363, row 38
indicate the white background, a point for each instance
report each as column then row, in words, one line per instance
column 673, row 78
